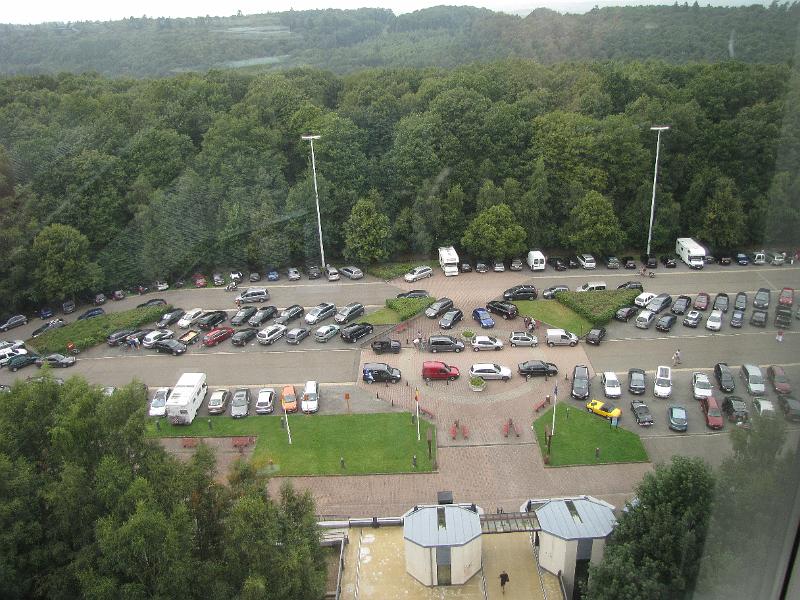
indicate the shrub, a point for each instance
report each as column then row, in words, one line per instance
column 468, row 334
column 477, row 381
column 408, row 307
column 387, row 271
column 597, row 307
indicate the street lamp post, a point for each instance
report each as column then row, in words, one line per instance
column 311, row 138
column 659, row 129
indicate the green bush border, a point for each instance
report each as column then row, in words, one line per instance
column 408, row 307
column 597, row 307
column 387, row 271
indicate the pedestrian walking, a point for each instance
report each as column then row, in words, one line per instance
column 676, row 358
column 779, row 337
column 504, row 579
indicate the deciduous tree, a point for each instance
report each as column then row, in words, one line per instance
column 495, row 233
column 64, row 268
column 367, row 231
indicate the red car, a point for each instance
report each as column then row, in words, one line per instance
column 787, row 297
column 701, row 302
column 711, row 412
column 777, row 377
column 215, row 336
column 199, row 280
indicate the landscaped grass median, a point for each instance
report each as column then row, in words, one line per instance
column 597, row 307
column 369, row 443
column 554, row 314
column 579, row 434
column 398, row 310
column 391, row 270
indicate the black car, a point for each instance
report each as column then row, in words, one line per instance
column 737, row 319
column 742, row 259
column 91, row 314
column 466, row 267
column 450, row 318
column 677, row 418
column 637, row 383
column 759, row 318
column 668, row 261
column 355, row 331
column 641, row 412
column 735, row 409
column 115, row 338
column 625, row 313
column 790, row 407
column 481, row 266
column 580, row 382
column 290, row 313
column 507, row 310
column 171, row 317
column 573, row 262
column 628, row 262
column 740, row 303
column 386, row 346
column 68, row 307
column 521, row 292
column 262, row 315
column 558, row 263
column 722, row 302
column 551, row 292
column 414, row 294
column 243, row 315
column 241, row 337
column 56, row 360
column 537, row 368
column 761, row 299
column 152, row 302
column 52, row 324
column 725, row 378
column 314, row 272
column 724, row 258
column 348, row 312
column 170, row 346
column 138, row 335
column 595, row 336
column 211, row 319
column 612, row 262
column 666, row 322
column 650, row 262
column 681, row 305
column 631, row 285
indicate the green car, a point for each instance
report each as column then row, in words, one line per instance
column 22, row 360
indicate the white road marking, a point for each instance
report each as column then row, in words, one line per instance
column 133, row 354
column 691, row 337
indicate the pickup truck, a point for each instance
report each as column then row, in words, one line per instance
column 386, row 346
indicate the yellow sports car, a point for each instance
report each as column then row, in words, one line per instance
column 604, row 409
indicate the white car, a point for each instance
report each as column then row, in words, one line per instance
column 490, row 371
column 701, row 386
column 486, row 342
column 271, row 334
column 643, row 299
column 587, row 261
column 662, row 382
column 151, row 338
column 418, row 273
column 190, row 318
column 523, row 338
column 611, row 385
column 158, row 405
column 162, row 286
column 764, row 407
column 332, row 273
column 293, row 273
column 714, row 321
column 352, row 272
column 265, row 403
column 326, row 332
column 753, row 378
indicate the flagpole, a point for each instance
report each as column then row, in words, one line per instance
column 555, row 401
column 416, row 398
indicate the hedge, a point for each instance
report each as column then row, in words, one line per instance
column 387, row 271
column 597, row 307
column 408, row 307
column 94, row 331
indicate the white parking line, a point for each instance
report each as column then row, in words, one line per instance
column 134, row 354
column 691, row 337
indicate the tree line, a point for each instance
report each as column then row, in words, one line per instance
column 109, row 182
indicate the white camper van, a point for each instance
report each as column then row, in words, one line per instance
column 448, row 260
column 186, row 398
column 692, row 253
column 536, row 260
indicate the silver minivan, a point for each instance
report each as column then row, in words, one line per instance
column 259, row 294
column 320, row 313
column 644, row 319
column 591, row 286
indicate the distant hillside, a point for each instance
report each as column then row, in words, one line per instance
column 347, row 40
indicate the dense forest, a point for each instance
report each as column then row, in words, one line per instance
column 109, row 182
column 348, row 40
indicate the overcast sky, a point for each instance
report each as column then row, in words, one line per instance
column 39, row 11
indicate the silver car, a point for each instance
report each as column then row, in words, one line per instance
column 326, row 332
column 293, row 273
column 271, row 334
column 240, row 403
column 486, row 342
column 753, row 378
column 352, row 272
column 523, row 338
column 265, row 403
column 296, row 335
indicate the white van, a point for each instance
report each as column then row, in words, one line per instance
column 559, row 337
column 591, row 286
column 758, row 258
column 536, row 260
column 310, row 398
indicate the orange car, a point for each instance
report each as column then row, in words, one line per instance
column 289, row 399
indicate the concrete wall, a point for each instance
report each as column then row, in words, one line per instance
column 420, row 563
column 465, row 561
column 568, row 564
column 557, row 555
column 598, row 548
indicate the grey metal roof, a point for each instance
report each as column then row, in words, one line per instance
column 421, row 526
column 590, row 518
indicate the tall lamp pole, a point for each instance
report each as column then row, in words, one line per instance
column 311, row 138
column 659, row 129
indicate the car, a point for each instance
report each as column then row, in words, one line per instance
column 604, row 409
column 595, row 336
column 537, row 368
column 643, row 299
column 465, row 267
column 99, row 299
column 736, row 410
column 320, row 312
column 668, row 261
column 386, row 346
column 754, row 380
column 46, row 312
column 109, row 390
column 759, row 318
column 296, row 335
column 68, row 307
column 637, row 381
column 722, row 302
column 170, row 346
column 523, row 338
column 737, row 319
column 659, row 303
column 714, row 320
column 290, row 313
column 243, row 336
column 240, row 403
column 170, row 318
column 498, row 266
column 52, row 324
column 507, row 310
column 777, row 377
column 190, row 318
column 558, row 263
column 56, row 360
column 551, row 292
column 289, row 399
column 271, row 334
column 611, row 385
column 152, row 302
column 262, row 315
column 243, row 315
column 762, row 298
column 218, row 279
column 236, row 276
column 692, row 318
column 486, row 342
column 740, row 302
column 701, row 301
column 438, row 308
column 724, row 257
column 444, row 343
column 483, row 318
column 490, row 371
column 158, row 404
column 293, row 274
column 701, row 386
column 314, row 272
column 681, row 305
column 786, row 297
column 217, row 336
column 790, row 407
column 641, row 413
column 580, row 382
column 522, row 291
column 265, row 401
column 161, row 286
column 355, row 331
column 644, row 319
column 516, row 264
column 352, row 272
column 380, row 372
column 628, row 262
column 414, row 294
column 677, row 418
column 89, row 314
column 763, row 407
column 199, row 280
column 437, row 370
column 612, row 262
column 348, row 312
column 662, row 382
column 586, row 261
column 218, row 402
column 742, row 259
column 625, row 313
column 481, row 266
column 665, row 323
column 648, row 261
column 252, row 294
column 138, row 335
column 450, row 318
column 18, row 361
column 211, row 319
column 326, row 332
column 418, row 273
column 273, row 275
column 631, row 285
column 332, row 273
column 254, row 277
column 724, row 376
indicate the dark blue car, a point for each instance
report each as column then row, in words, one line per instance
column 46, row 313
column 91, row 313
column 482, row 316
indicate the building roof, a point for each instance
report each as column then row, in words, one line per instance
column 583, row 517
column 461, row 524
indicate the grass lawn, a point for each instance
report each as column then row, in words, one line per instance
column 554, row 314
column 579, row 433
column 391, row 270
column 383, row 316
column 369, row 443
